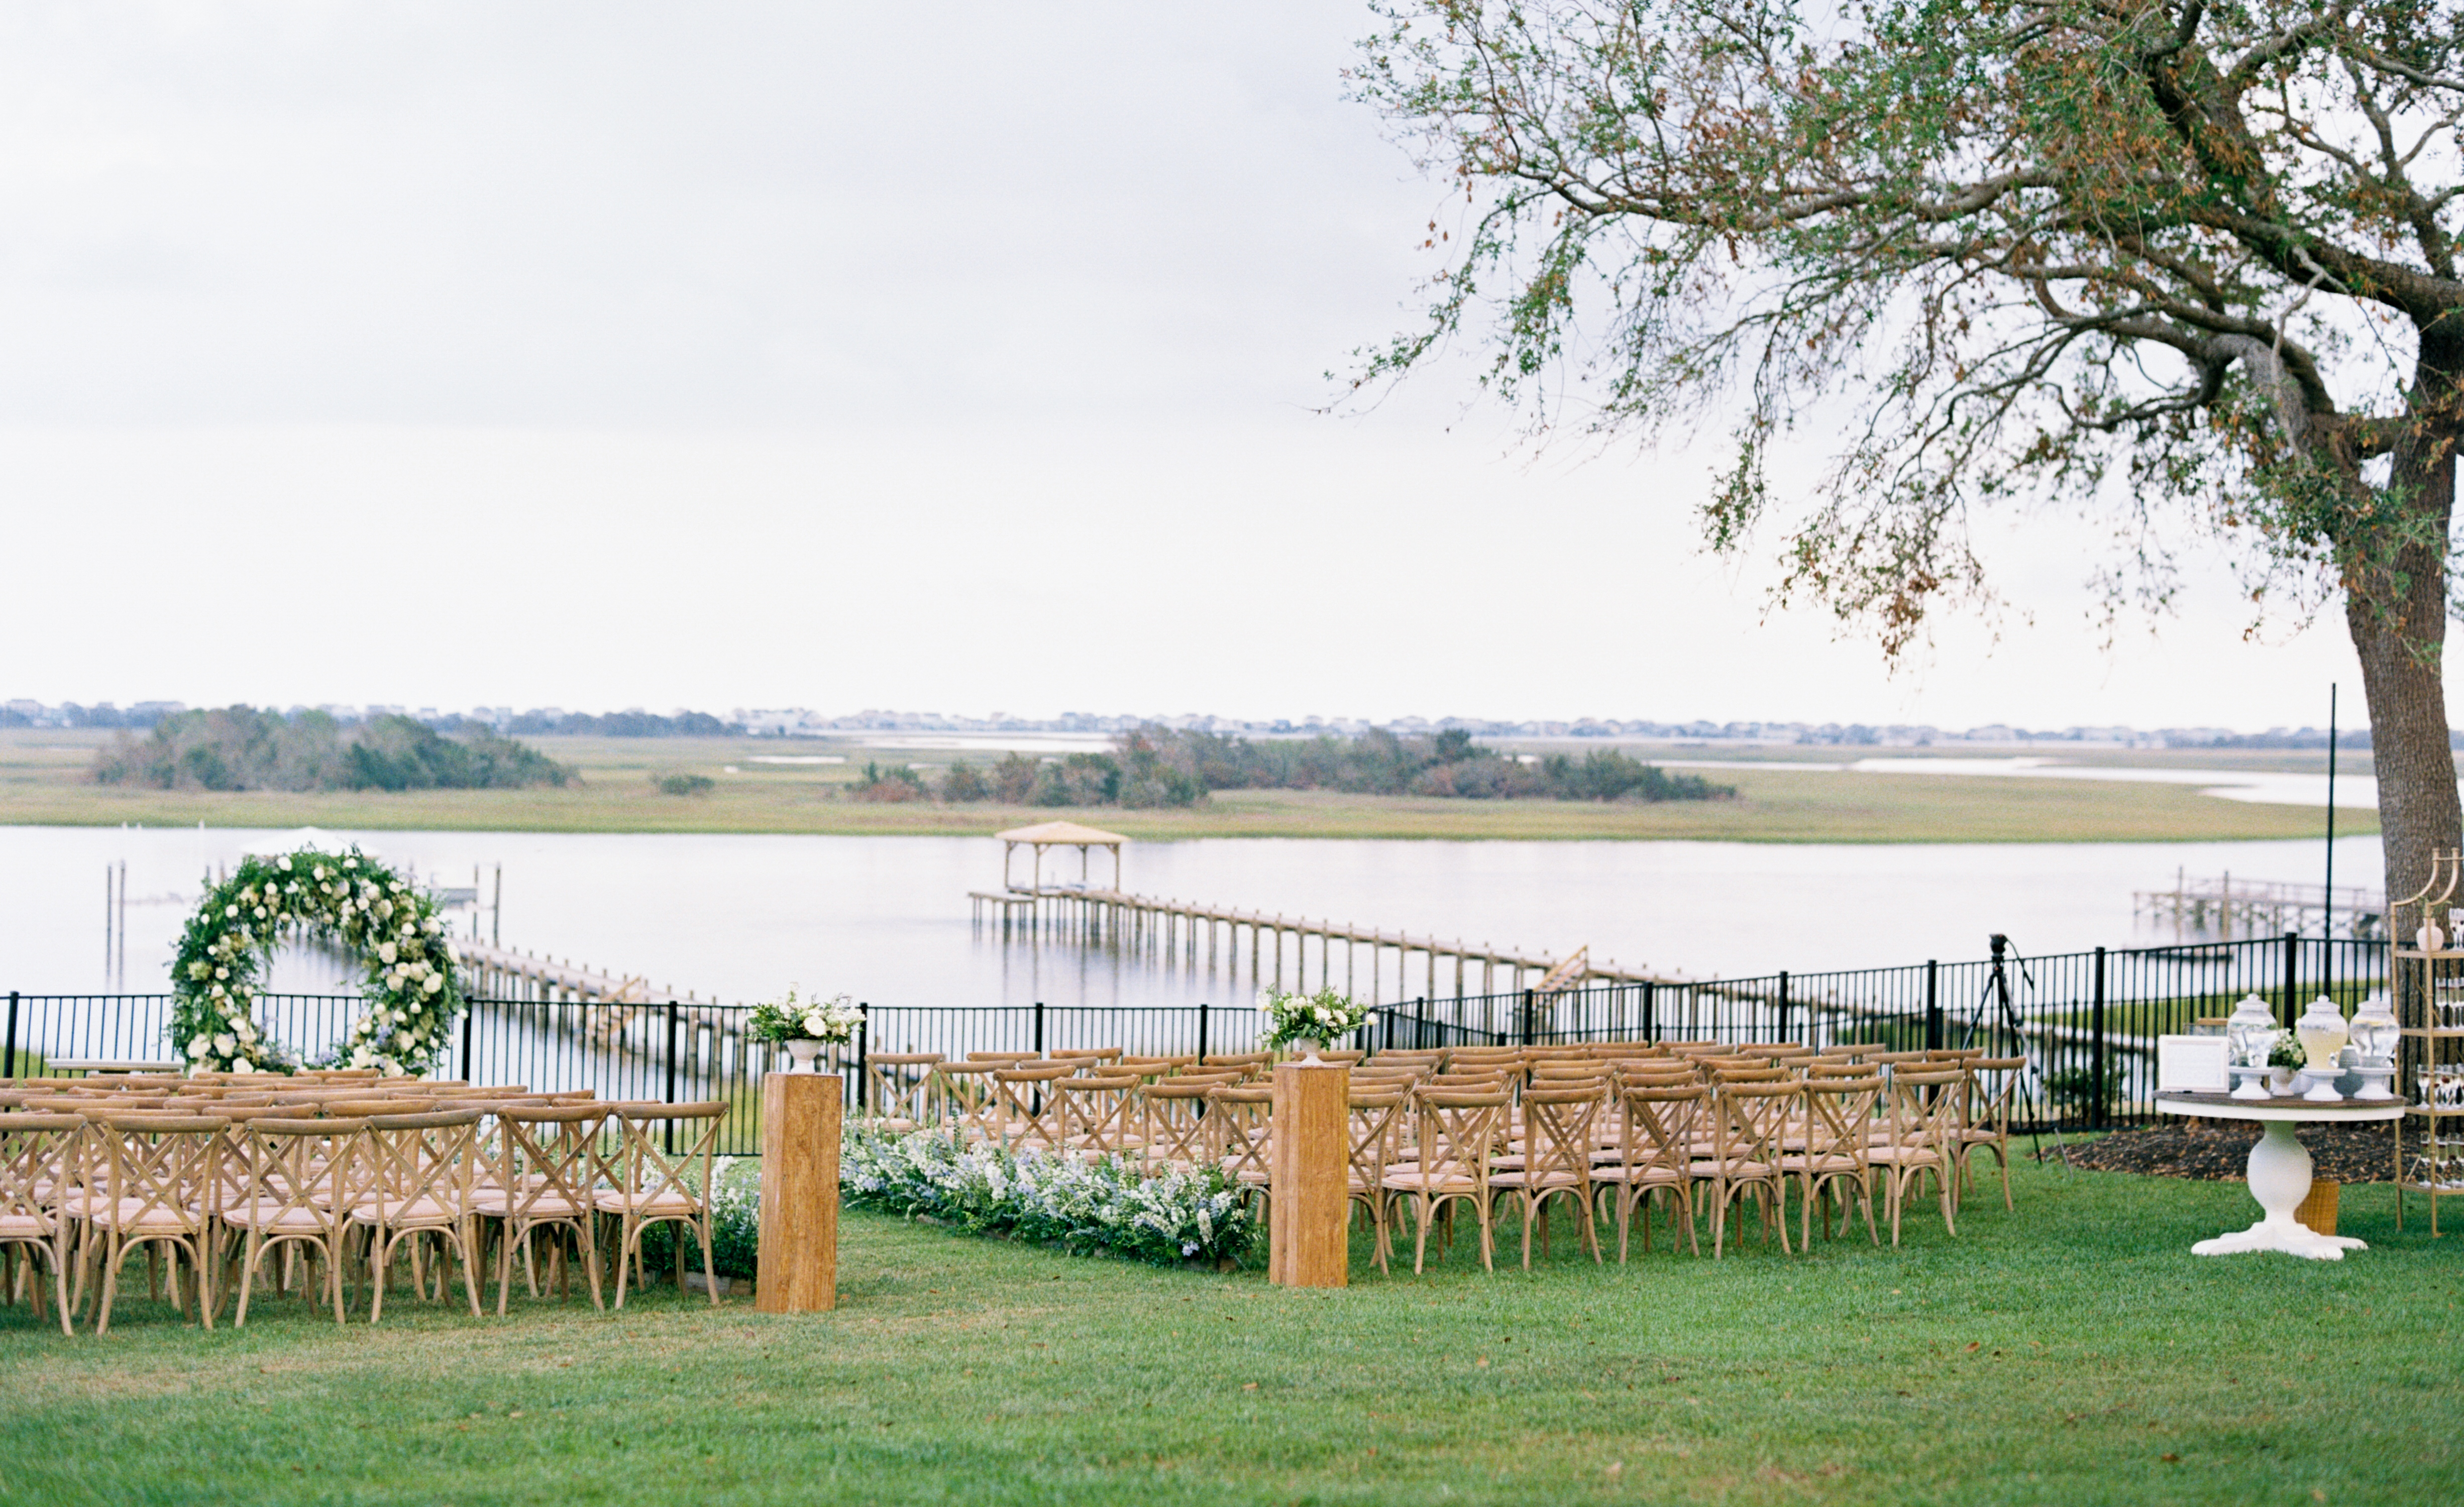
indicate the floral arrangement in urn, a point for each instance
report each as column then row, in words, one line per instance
column 804, row 1027
column 1314, row 1019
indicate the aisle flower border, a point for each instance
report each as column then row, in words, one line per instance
column 349, row 899
column 1081, row 1204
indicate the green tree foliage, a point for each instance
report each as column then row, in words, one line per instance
column 239, row 748
column 683, row 784
column 2190, row 266
column 963, row 782
column 899, row 782
column 1380, row 763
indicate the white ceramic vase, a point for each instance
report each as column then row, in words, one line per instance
column 804, row 1049
column 1309, row 1048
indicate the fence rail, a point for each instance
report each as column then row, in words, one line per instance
column 2088, row 1021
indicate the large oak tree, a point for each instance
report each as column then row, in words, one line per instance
column 2190, row 265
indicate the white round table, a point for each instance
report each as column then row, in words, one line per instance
column 2280, row 1167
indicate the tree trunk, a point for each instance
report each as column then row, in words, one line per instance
column 2396, row 611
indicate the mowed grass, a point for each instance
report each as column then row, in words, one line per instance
column 42, row 782
column 2073, row 1353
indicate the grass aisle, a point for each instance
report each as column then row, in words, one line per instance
column 2072, row 1353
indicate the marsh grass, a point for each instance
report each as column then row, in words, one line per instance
column 2072, row 1353
column 42, row 782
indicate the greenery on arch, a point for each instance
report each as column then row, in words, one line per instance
column 351, row 901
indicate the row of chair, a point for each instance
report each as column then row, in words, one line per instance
column 349, row 1175
column 1701, row 1127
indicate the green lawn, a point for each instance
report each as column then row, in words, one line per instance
column 2072, row 1353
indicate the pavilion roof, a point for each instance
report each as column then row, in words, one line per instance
column 1062, row 834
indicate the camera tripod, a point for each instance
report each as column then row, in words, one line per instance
column 1995, row 999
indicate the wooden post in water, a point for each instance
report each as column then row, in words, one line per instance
column 1307, row 1243
column 799, row 1264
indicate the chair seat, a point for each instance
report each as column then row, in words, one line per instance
column 500, row 1204
column 23, row 1226
column 272, row 1217
column 1439, row 1180
column 402, row 1214
column 134, row 1216
column 1905, row 1156
column 1828, row 1162
column 1738, row 1169
column 668, row 1202
column 1525, row 1178
column 1636, row 1174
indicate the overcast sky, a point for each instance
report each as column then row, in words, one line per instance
column 964, row 359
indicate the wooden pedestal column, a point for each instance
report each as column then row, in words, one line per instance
column 799, row 1270
column 1307, row 1244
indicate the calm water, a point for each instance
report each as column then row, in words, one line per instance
column 885, row 919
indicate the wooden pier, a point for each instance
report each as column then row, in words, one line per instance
column 504, row 973
column 1446, row 967
column 2223, row 908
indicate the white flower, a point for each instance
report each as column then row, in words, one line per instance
column 285, row 863
column 360, row 1057
column 385, row 951
column 198, row 1047
column 242, row 1064
column 433, row 983
column 232, row 912
column 350, row 862
column 225, row 1045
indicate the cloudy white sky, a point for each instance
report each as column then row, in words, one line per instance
column 965, row 358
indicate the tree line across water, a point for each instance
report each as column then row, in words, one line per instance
column 239, row 748
column 1158, row 766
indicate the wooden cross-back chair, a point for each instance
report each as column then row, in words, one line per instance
column 1660, row 1123
column 898, row 1088
column 1985, row 1122
column 1456, row 1131
column 654, row 1185
column 1749, row 1121
column 425, row 1166
column 1560, row 1131
column 545, row 1179
column 147, row 1165
column 1374, row 1128
column 1839, row 1126
column 305, row 1173
column 1241, row 1116
column 42, row 1161
column 965, row 1099
column 1029, row 1109
column 1923, row 1124
column 1098, row 1114
column 1173, row 1128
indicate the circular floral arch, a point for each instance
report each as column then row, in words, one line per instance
column 352, row 901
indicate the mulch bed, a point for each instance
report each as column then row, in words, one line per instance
column 2218, row 1152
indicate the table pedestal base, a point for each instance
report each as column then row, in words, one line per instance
column 2280, row 1179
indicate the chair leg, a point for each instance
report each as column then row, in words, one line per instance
column 110, row 1282
column 248, row 1260
column 708, row 1272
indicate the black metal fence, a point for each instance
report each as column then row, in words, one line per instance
column 2088, row 1022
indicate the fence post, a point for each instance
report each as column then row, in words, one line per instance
column 1933, row 1005
column 469, row 1012
column 1421, row 1022
column 2292, row 962
column 1650, row 1016
column 1201, row 1032
column 1038, row 1028
column 2096, row 1111
column 863, row 1054
column 13, row 1034
column 672, row 1073
column 1783, row 1004
column 1531, row 1013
